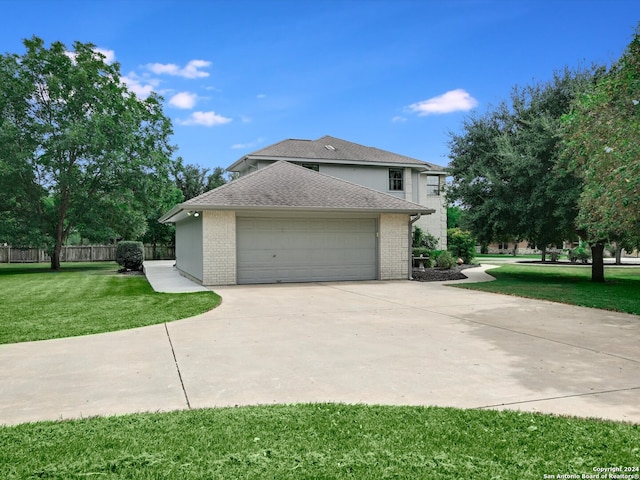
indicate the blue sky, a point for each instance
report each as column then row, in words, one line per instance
column 399, row 75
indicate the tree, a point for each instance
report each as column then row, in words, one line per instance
column 194, row 180
column 454, row 216
column 505, row 168
column 601, row 145
column 88, row 153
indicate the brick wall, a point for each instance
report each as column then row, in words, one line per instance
column 219, row 247
column 394, row 246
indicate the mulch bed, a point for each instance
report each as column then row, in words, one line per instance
column 437, row 275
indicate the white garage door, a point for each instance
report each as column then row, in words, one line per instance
column 273, row 250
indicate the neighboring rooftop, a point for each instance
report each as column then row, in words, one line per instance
column 330, row 150
column 285, row 186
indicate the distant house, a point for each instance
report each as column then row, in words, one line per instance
column 304, row 211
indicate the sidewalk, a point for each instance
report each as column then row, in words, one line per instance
column 164, row 277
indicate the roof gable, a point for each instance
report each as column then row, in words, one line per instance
column 283, row 185
column 332, row 150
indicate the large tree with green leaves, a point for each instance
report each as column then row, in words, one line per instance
column 78, row 147
column 194, row 180
column 601, row 145
column 505, row 169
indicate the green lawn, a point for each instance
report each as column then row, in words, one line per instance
column 317, row 441
column 571, row 284
column 85, row 298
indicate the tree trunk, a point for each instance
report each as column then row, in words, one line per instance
column 60, row 230
column 597, row 266
column 618, row 254
column 544, row 254
column 55, row 256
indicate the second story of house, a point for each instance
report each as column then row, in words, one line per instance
column 398, row 175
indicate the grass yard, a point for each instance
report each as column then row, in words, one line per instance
column 318, row 441
column 571, row 284
column 85, row 298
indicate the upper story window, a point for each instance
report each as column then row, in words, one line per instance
column 433, row 185
column 395, row 179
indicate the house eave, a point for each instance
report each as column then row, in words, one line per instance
column 181, row 212
column 235, row 166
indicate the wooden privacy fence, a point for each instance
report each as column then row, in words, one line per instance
column 82, row 253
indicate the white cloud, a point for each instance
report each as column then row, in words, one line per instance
column 109, row 55
column 261, row 95
column 185, row 100
column 191, row 70
column 142, row 88
column 207, row 119
column 251, row 144
column 452, row 101
column 398, row 119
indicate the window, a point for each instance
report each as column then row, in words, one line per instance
column 433, row 185
column 395, row 179
column 311, row 166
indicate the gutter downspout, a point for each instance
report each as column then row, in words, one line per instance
column 411, row 222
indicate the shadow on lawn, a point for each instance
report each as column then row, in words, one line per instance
column 67, row 267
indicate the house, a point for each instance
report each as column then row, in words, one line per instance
column 297, row 214
column 403, row 177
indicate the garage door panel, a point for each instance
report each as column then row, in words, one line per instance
column 272, row 250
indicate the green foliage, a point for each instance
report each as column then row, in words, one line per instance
column 571, row 285
column 505, row 165
column 445, row 261
column 554, row 255
column 581, row 254
column 601, row 146
column 461, row 244
column 436, row 253
column 316, row 441
column 83, row 299
column 424, row 239
column 421, row 251
column 130, row 255
column 454, row 216
column 193, row 180
column 85, row 153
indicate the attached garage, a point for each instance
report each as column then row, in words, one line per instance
column 274, row 250
column 287, row 223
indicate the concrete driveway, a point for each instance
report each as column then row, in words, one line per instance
column 399, row 342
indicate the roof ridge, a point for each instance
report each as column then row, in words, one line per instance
column 232, row 182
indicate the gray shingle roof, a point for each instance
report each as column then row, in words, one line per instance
column 333, row 150
column 285, row 186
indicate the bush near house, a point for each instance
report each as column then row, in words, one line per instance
column 445, row 261
column 130, row 255
column 461, row 244
column 422, row 239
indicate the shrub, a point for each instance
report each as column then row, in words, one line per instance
column 424, row 239
column 434, row 254
column 421, row 252
column 579, row 254
column 445, row 261
column 130, row 255
column 554, row 255
column 461, row 244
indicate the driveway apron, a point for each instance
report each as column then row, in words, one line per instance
column 400, row 343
